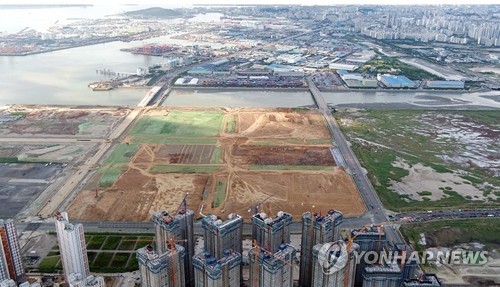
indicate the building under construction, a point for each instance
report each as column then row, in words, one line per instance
column 387, row 275
column 11, row 260
column 217, row 272
column 316, row 229
column 178, row 227
column 220, row 236
column 160, row 270
column 271, row 233
column 427, row 280
column 271, row 269
column 333, row 265
column 369, row 238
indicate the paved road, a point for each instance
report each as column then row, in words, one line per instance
column 446, row 214
column 368, row 193
column 48, row 139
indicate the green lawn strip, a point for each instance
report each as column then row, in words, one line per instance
column 96, row 242
column 114, row 164
column 101, row 261
column 216, row 154
column 132, row 263
column 181, row 168
column 120, row 260
column 53, row 253
column 111, row 243
column 230, row 124
column 128, row 243
column 49, row 264
column 220, row 194
column 161, row 139
column 288, row 167
column 483, row 230
column 91, row 256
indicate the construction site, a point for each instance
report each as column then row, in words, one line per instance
column 228, row 160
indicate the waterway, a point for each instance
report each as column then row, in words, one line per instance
column 239, row 98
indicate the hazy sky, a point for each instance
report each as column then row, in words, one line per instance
column 303, row 2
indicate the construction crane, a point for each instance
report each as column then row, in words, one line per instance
column 350, row 241
column 183, row 203
column 255, row 207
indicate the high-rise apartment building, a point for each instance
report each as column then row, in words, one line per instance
column 220, row 236
column 11, row 260
column 387, row 275
column 162, row 270
column 217, row 272
column 370, row 238
column 334, row 265
column 178, row 227
column 72, row 247
column 427, row 280
column 316, row 229
column 269, row 232
column 271, row 269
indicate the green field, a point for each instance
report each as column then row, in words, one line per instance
column 449, row 233
column 82, row 128
column 115, row 252
column 114, row 164
column 220, row 194
column 216, row 155
column 384, row 64
column 381, row 137
column 180, row 124
column 231, row 124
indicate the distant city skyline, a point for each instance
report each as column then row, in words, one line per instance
column 261, row 2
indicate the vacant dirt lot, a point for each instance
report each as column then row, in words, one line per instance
column 257, row 154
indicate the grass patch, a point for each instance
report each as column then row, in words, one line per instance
column 120, row 260
column 9, row 160
column 121, row 154
column 230, row 124
column 424, row 193
column 180, row 168
column 111, row 243
column 384, row 64
column 83, row 127
column 128, row 243
column 49, row 264
column 180, row 123
column 159, row 139
column 96, row 242
column 102, row 260
column 220, row 194
column 216, row 154
column 144, row 241
column 289, row 167
column 91, row 256
column 452, row 232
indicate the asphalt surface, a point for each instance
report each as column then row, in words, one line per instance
column 373, row 204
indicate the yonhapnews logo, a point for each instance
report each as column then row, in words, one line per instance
column 332, row 257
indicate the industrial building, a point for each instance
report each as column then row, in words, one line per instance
column 270, row 233
column 316, row 229
column 11, row 260
column 382, row 275
column 427, row 280
column 271, row 269
column 177, row 227
column 220, row 236
column 162, row 270
column 451, row 85
column 399, row 82
column 345, row 262
column 73, row 249
column 216, row 272
column 356, row 80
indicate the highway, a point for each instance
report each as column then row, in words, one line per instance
column 373, row 204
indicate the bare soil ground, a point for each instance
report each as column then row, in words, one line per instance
column 34, row 120
column 236, row 184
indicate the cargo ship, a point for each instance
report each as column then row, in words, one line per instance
column 101, row 86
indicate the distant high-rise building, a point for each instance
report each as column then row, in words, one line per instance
column 72, row 247
column 177, row 227
column 220, row 236
column 11, row 260
column 271, row 269
column 217, row 272
column 382, row 275
column 427, row 280
column 162, row 270
column 316, row 229
column 409, row 265
column 334, row 253
column 271, row 233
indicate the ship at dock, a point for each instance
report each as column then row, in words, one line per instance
column 101, row 86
